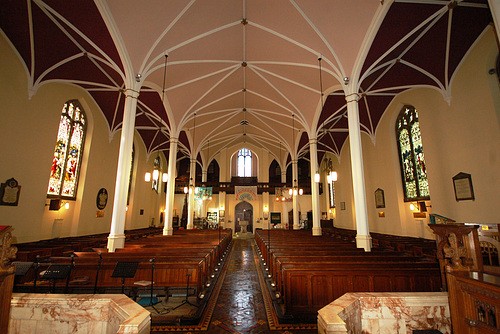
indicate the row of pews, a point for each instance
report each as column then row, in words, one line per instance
column 306, row 273
column 413, row 246
column 189, row 258
column 66, row 246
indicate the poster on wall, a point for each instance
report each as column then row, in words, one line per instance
column 212, row 216
column 275, row 218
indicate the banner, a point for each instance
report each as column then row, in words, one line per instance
column 245, row 193
column 203, row 193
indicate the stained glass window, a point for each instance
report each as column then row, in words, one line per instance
column 331, row 192
column 244, row 162
column 64, row 173
column 411, row 153
column 130, row 174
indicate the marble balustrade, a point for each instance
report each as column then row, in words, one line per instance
column 59, row 313
column 386, row 313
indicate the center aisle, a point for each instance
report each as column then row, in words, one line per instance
column 240, row 307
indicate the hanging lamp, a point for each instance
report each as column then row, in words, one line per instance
column 156, row 171
column 316, row 175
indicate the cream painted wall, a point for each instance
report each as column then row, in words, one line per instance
column 28, row 134
column 463, row 136
column 29, row 131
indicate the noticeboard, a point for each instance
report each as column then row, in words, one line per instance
column 275, row 218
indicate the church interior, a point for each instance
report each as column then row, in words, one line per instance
column 324, row 152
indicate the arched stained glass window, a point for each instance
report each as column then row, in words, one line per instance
column 67, row 157
column 131, row 174
column 244, row 162
column 411, row 154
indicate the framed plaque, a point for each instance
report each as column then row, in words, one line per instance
column 102, row 199
column 462, row 183
column 9, row 192
column 379, row 198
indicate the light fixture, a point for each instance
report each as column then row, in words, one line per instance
column 278, row 195
column 165, row 177
column 66, row 206
column 294, row 189
column 331, row 174
column 316, row 177
column 323, row 130
column 156, row 172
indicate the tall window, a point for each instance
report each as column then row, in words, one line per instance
column 411, row 154
column 331, row 193
column 67, row 158
column 130, row 174
column 244, row 162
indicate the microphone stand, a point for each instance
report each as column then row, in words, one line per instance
column 69, row 274
column 97, row 274
column 36, row 272
column 152, row 284
column 186, row 301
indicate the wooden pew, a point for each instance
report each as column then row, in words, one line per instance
column 197, row 253
column 308, row 287
column 310, row 272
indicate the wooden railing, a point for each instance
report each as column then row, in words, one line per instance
column 489, row 242
column 474, row 295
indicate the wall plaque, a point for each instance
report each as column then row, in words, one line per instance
column 9, row 192
column 102, row 199
column 379, row 198
column 462, row 183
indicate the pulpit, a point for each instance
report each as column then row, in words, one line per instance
column 243, row 225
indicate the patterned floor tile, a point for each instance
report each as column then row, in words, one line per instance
column 240, row 307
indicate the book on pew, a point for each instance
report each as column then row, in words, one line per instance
column 143, row 283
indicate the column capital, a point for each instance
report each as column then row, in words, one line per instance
column 313, row 141
column 129, row 92
column 174, row 140
column 354, row 97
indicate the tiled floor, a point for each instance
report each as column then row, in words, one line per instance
column 240, row 306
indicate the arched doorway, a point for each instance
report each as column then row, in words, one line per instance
column 243, row 211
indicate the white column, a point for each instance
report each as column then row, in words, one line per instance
column 495, row 12
column 116, row 238
column 284, row 206
column 169, row 201
column 313, row 149
column 265, row 205
column 295, row 203
column 363, row 239
column 192, row 185
column 222, row 206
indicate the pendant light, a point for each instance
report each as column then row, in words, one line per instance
column 316, row 175
column 156, row 171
